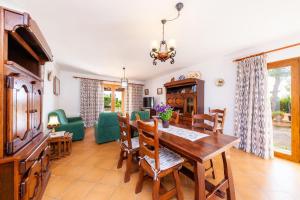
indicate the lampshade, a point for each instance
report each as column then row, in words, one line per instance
column 53, row 121
column 124, row 83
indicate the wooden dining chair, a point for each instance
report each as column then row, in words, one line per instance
column 205, row 122
column 221, row 118
column 157, row 162
column 137, row 117
column 175, row 117
column 208, row 123
column 129, row 146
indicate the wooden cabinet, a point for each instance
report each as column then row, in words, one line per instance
column 187, row 96
column 24, row 148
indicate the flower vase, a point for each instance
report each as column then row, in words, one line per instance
column 165, row 124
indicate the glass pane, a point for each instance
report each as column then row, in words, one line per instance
column 279, row 81
column 118, row 101
column 107, row 101
column 190, row 105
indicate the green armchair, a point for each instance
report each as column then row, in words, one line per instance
column 144, row 115
column 107, row 128
column 71, row 124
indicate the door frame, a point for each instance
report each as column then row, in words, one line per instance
column 114, row 87
column 294, row 63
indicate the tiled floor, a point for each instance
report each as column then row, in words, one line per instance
column 90, row 173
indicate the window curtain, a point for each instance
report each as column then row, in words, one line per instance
column 253, row 123
column 91, row 101
column 133, row 98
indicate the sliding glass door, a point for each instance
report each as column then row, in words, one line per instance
column 283, row 83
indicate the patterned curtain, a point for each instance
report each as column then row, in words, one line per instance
column 253, row 123
column 133, row 98
column 91, row 101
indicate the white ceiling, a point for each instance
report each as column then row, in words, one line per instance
column 102, row 36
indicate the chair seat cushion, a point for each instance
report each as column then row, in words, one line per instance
column 167, row 159
column 134, row 143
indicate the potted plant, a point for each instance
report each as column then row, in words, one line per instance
column 278, row 116
column 165, row 113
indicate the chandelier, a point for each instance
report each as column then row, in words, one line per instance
column 124, row 80
column 164, row 52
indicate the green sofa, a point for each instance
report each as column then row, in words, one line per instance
column 144, row 115
column 71, row 124
column 107, row 128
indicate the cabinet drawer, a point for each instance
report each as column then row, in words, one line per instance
column 35, row 156
column 32, row 183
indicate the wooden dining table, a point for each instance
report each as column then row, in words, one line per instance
column 198, row 152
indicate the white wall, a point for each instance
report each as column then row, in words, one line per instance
column 219, row 67
column 50, row 101
column 214, row 97
column 69, row 98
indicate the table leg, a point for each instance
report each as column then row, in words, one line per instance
column 230, row 193
column 199, row 171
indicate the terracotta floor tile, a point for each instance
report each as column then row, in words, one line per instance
column 77, row 190
column 101, row 191
column 91, row 173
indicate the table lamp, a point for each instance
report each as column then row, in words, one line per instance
column 53, row 123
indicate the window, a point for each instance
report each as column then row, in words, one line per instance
column 113, row 98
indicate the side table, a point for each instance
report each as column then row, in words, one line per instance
column 60, row 144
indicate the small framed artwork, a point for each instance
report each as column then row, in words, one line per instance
column 159, row 91
column 56, row 86
column 146, row 91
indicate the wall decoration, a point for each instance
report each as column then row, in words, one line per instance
column 146, row 91
column 194, row 74
column 50, row 75
column 159, row 91
column 220, row 82
column 56, row 86
column 181, row 77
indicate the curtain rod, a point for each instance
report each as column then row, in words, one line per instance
column 266, row 52
column 105, row 80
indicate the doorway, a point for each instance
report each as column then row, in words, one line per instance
column 283, row 88
column 113, row 98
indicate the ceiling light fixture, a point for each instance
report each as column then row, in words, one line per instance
column 124, row 80
column 164, row 53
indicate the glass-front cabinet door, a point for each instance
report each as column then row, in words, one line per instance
column 190, row 105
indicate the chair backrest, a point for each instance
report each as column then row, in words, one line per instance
column 149, row 146
column 108, row 119
column 125, row 134
column 137, row 117
column 220, row 115
column 200, row 121
column 175, row 117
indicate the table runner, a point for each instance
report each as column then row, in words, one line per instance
column 181, row 132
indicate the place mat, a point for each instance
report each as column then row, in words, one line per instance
column 181, row 132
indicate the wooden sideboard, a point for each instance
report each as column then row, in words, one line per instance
column 187, row 96
column 24, row 149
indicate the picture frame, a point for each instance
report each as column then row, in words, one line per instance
column 146, row 91
column 56, row 86
column 159, row 91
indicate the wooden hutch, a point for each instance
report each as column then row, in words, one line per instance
column 187, row 96
column 24, row 151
